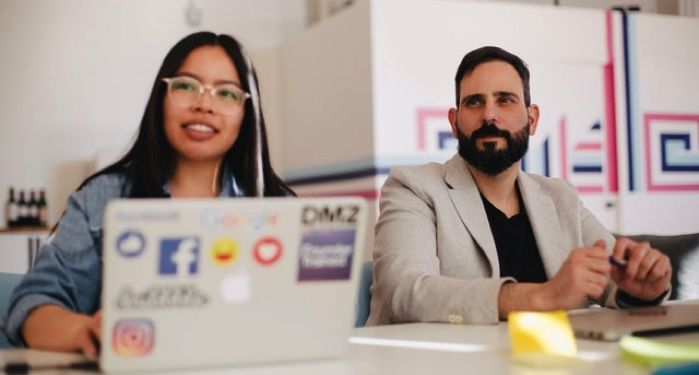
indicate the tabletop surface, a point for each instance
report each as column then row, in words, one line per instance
column 416, row 348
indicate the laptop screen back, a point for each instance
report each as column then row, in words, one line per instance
column 191, row 283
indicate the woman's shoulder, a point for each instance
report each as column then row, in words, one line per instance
column 99, row 190
column 107, row 184
column 85, row 208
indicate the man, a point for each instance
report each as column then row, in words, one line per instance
column 474, row 238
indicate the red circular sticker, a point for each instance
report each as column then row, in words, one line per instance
column 267, row 250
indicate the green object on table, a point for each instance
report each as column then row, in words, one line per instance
column 654, row 352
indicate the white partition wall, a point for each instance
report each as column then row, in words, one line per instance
column 659, row 132
column 327, row 98
column 386, row 68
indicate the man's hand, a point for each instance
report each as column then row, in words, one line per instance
column 52, row 327
column 583, row 275
column 647, row 273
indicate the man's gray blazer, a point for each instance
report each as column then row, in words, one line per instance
column 434, row 255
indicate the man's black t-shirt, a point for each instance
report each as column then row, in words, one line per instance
column 518, row 253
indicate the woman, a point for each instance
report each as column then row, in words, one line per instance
column 202, row 135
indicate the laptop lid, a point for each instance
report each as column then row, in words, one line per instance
column 610, row 324
column 212, row 282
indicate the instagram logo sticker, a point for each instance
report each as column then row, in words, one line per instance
column 133, row 337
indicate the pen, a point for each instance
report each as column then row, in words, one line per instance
column 617, row 262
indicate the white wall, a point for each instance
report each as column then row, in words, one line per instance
column 76, row 75
column 327, row 91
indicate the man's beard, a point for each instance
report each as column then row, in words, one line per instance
column 490, row 160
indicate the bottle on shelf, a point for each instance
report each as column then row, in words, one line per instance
column 11, row 210
column 22, row 209
column 43, row 209
column 33, row 219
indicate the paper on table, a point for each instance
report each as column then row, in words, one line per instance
column 542, row 338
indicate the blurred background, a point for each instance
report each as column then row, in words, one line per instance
column 352, row 88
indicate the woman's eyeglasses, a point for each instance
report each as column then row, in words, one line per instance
column 226, row 98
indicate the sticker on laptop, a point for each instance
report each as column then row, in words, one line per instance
column 267, row 250
column 236, row 287
column 161, row 297
column 224, row 251
column 130, row 244
column 330, row 215
column 133, row 337
column 326, row 254
column 224, row 219
column 179, row 256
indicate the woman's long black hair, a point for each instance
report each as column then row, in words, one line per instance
column 151, row 161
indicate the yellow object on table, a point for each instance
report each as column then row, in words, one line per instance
column 542, row 338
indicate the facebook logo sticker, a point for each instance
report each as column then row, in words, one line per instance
column 179, row 256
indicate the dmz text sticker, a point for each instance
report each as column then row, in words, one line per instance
column 133, row 337
column 179, row 256
column 326, row 254
column 130, row 244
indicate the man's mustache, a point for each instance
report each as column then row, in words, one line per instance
column 489, row 129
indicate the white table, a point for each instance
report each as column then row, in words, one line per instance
column 472, row 349
column 424, row 348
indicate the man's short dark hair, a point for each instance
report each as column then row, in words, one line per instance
column 490, row 53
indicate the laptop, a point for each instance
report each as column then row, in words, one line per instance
column 611, row 324
column 218, row 282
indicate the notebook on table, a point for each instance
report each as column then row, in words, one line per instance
column 611, row 324
column 217, row 282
